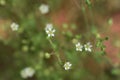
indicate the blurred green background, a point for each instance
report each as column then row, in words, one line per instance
column 82, row 20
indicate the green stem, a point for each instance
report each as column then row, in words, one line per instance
column 85, row 17
column 92, row 17
column 83, row 12
column 89, row 4
column 54, row 48
column 59, row 59
column 51, row 43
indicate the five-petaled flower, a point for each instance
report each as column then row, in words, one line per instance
column 27, row 72
column 79, row 47
column 14, row 26
column 44, row 9
column 87, row 47
column 67, row 65
column 50, row 30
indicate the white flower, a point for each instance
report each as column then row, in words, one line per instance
column 44, row 9
column 27, row 72
column 88, row 47
column 14, row 26
column 67, row 65
column 2, row 2
column 79, row 47
column 50, row 30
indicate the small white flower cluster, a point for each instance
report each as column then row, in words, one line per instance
column 50, row 30
column 14, row 26
column 44, row 9
column 79, row 47
column 27, row 72
column 67, row 66
column 87, row 47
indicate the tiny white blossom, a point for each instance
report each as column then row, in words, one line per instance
column 44, row 9
column 27, row 72
column 88, row 47
column 67, row 65
column 50, row 30
column 79, row 47
column 14, row 26
column 2, row 2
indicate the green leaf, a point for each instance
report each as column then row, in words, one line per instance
column 116, row 71
column 88, row 2
column 110, row 21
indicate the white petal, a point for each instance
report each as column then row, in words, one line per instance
column 49, row 35
column 53, row 30
column 89, row 49
column 44, row 9
column 52, row 34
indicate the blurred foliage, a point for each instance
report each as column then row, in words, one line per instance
column 29, row 45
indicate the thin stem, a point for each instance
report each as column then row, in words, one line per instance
column 83, row 11
column 54, row 49
column 74, row 1
column 51, row 43
column 85, row 18
column 92, row 17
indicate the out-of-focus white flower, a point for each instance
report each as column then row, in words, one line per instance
column 88, row 47
column 27, row 72
column 14, row 26
column 67, row 65
column 44, row 9
column 2, row 2
column 50, row 30
column 79, row 47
